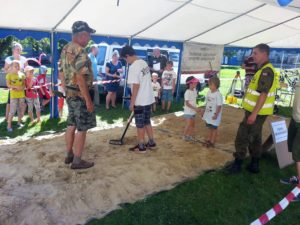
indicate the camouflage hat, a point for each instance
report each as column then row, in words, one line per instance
column 80, row 26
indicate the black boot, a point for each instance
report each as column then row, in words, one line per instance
column 253, row 167
column 235, row 167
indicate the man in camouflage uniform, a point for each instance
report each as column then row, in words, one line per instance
column 75, row 68
column 258, row 104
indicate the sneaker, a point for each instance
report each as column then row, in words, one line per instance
column 188, row 138
column 20, row 125
column 82, row 165
column 69, row 159
column 138, row 149
column 296, row 199
column 9, row 130
column 290, row 180
column 151, row 146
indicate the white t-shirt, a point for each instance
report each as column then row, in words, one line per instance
column 167, row 79
column 139, row 73
column 191, row 97
column 22, row 60
column 212, row 101
column 296, row 106
column 156, row 88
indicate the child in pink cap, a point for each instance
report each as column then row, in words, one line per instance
column 190, row 108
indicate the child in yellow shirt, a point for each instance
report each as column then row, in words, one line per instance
column 15, row 81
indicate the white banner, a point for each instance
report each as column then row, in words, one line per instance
column 280, row 131
column 201, row 57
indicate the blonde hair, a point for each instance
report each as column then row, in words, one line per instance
column 154, row 75
column 15, row 62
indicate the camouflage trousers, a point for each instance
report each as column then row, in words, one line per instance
column 249, row 137
column 79, row 116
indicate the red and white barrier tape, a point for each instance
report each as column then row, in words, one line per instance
column 277, row 209
column 95, row 82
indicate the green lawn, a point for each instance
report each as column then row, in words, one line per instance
column 214, row 198
column 104, row 118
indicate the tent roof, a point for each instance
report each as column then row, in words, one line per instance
column 230, row 22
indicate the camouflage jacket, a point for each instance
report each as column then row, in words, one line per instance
column 74, row 60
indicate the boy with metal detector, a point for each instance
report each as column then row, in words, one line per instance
column 139, row 78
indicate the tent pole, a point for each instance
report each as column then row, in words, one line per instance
column 54, row 72
column 282, row 57
column 126, row 78
column 53, row 100
column 52, row 78
column 179, row 73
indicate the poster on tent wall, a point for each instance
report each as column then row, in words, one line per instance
column 201, row 57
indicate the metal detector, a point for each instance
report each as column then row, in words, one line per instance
column 120, row 141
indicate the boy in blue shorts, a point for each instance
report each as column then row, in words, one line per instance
column 168, row 81
column 139, row 79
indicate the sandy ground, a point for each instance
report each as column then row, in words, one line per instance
column 36, row 187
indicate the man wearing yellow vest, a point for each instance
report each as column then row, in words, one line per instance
column 258, row 104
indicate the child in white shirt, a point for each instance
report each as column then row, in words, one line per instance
column 168, row 82
column 190, row 108
column 213, row 111
column 156, row 90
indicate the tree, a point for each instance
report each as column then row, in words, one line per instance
column 5, row 46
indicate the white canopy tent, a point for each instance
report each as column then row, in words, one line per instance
column 228, row 22
column 242, row 23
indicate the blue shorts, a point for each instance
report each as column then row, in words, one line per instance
column 189, row 116
column 142, row 116
column 211, row 126
column 167, row 95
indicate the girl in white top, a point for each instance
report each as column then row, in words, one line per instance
column 190, row 108
column 156, row 90
column 213, row 111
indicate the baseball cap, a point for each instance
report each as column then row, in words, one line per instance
column 28, row 68
column 193, row 80
column 94, row 46
column 43, row 69
column 80, row 26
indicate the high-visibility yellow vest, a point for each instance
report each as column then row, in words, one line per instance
column 252, row 95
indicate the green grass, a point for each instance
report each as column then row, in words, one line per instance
column 214, row 198
column 47, row 125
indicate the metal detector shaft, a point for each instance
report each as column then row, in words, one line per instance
column 127, row 125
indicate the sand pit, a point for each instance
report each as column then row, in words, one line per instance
column 37, row 188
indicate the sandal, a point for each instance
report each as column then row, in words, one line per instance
column 138, row 149
column 206, row 143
